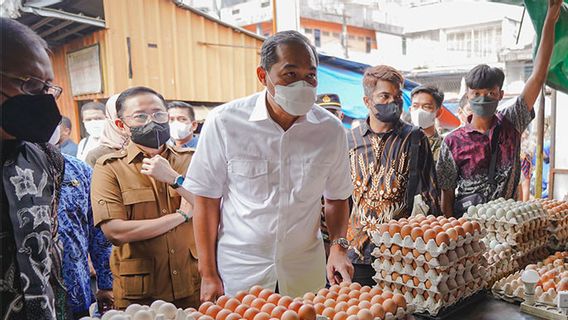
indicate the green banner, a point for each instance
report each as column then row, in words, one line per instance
column 558, row 69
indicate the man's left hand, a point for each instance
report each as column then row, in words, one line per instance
column 159, row 168
column 339, row 268
column 105, row 296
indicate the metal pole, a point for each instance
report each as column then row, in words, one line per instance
column 345, row 35
column 539, row 144
column 552, row 145
column 274, row 17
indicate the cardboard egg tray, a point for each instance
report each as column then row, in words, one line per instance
column 512, row 225
column 401, row 313
column 518, row 238
column 431, row 246
column 433, row 274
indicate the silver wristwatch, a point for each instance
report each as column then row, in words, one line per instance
column 341, row 242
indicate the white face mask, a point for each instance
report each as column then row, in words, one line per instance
column 422, row 118
column 295, row 99
column 180, row 130
column 94, row 127
column 55, row 136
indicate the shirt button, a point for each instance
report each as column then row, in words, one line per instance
column 102, row 202
column 172, row 251
column 174, row 272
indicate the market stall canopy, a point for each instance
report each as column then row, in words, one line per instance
column 558, row 69
column 344, row 77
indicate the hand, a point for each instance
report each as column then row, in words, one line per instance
column 554, row 9
column 339, row 268
column 159, row 168
column 211, row 288
column 105, row 296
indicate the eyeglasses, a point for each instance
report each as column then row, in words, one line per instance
column 142, row 118
column 33, row 86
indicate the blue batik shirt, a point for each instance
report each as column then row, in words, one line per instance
column 81, row 238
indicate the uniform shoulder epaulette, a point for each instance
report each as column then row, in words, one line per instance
column 183, row 149
column 111, row 156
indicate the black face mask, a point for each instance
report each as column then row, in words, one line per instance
column 387, row 113
column 30, row 118
column 152, row 135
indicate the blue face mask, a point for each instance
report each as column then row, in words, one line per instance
column 483, row 106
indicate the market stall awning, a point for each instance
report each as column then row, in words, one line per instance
column 344, row 77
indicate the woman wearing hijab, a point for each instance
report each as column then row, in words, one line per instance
column 112, row 139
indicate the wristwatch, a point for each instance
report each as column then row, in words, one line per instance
column 342, row 242
column 178, row 182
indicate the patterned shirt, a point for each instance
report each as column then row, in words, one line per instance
column 81, row 238
column 435, row 142
column 384, row 157
column 466, row 153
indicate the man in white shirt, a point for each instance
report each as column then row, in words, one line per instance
column 94, row 119
column 262, row 164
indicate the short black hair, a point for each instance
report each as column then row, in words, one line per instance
column 131, row 92
column 484, row 77
column 18, row 38
column 269, row 54
column 183, row 105
column 66, row 122
column 433, row 91
column 93, row 105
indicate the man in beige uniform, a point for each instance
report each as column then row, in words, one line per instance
column 155, row 255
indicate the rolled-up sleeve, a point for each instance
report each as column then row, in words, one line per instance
column 207, row 172
column 338, row 184
column 106, row 197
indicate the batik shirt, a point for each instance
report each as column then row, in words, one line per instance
column 30, row 286
column 466, row 154
column 81, row 238
column 384, row 157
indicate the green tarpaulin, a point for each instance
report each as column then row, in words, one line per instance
column 558, row 70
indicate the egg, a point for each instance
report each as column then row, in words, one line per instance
column 248, row 299
column 427, row 256
column 341, row 306
column 258, row 303
column 261, row 316
column 206, row 317
column 378, row 311
column 460, row 230
column 415, row 253
column 364, row 314
column 389, row 306
column 250, row 313
column 442, row 237
column 429, row 235
column 241, row 309
column 399, row 300
column 452, row 233
column 265, row 294
column 365, row 289
column 334, row 288
column 344, row 290
column 394, row 228
column 364, row 305
column 307, row 312
column 394, row 249
column 222, row 315
column 232, row 304
column 285, row 301
column 203, row 307
column 406, row 251
column 268, row 307
column 213, row 311
column 405, row 231
column 468, row 227
column 353, row 310
column 341, row 315
column 290, row 315
column 329, row 303
column 377, row 299
column 255, row 290
column 438, row 229
column 383, row 248
column 416, row 233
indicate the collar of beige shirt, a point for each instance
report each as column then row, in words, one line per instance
column 133, row 151
column 260, row 112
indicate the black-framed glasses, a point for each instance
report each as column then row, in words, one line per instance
column 142, row 118
column 33, row 86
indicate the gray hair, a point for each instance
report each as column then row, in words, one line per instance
column 18, row 39
column 268, row 54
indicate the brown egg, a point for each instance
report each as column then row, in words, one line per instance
column 334, row 288
column 438, row 229
column 290, row 315
column 341, row 315
column 342, row 297
column 319, row 299
column 450, row 219
column 415, row 281
column 255, row 290
column 375, row 290
column 258, row 303
column 323, row 292
column 415, row 253
column 394, row 228
column 468, row 227
column 365, row 289
column 341, row 306
column 213, row 310
column 453, row 234
column 355, row 293
column 278, row 312
column 262, row 316
column 562, row 285
column 223, row 314
column 405, row 251
column 428, row 284
column 232, row 304
column 425, row 223
column 344, row 290
column 352, row 317
column 318, row 307
column 455, row 223
column 285, row 301
column 203, row 307
column 295, row 306
column 364, row 305
column 383, row 248
column 405, row 278
column 429, row 235
column 240, row 295
column 332, row 295
column 399, row 300
column 307, row 312
column 427, row 256
column 442, row 237
column 378, row 299
column 353, row 310
column 383, row 228
column 377, row 311
column 355, row 286
column 233, row 316
column 206, row 317
column 476, row 226
column 329, row 313
column 241, row 309
column 442, row 220
column 447, row 226
column 329, row 303
column 364, row 314
column 268, row 307
column 251, row 313
column 353, row 302
column 365, row 296
column 310, row 296
column 387, row 295
column 460, row 230
column 416, row 233
column 248, row 299
column 389, row 306
column 394, row 249
column 265, row 294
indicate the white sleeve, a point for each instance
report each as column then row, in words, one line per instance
column 81, row 155
column 207, row 173
column 338, row 185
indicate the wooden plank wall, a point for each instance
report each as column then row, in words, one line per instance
column 167, row 54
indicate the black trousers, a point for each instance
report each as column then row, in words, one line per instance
column 364, row 274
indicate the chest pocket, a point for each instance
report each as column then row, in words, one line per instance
column 314, row 175
column 140, row 200
column 250, row 178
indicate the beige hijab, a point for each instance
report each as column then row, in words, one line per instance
column 112, row 136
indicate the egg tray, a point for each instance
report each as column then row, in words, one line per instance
column 401, row 313
column 441, row 262
column 438, row 287
column 504, row 226
column 557, row 224
column 515, row 234
column 502, row 257
column 452, row 311
column 511, row 239
column 536, row 254
column 441, row 288
column 420, row 272
column 419, row 244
